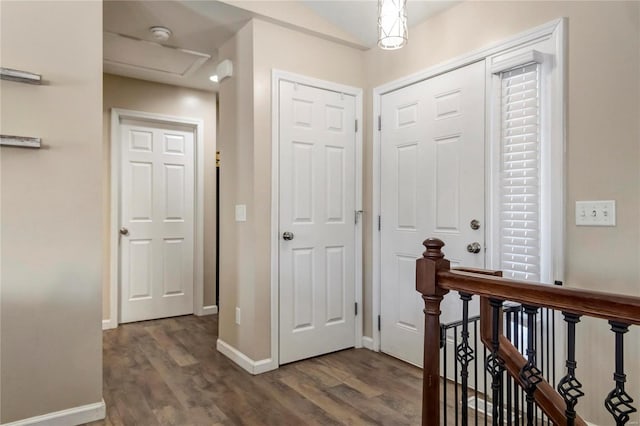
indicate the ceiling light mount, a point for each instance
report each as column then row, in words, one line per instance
column 160, row 33
column 392, row 24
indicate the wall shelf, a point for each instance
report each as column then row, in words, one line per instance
column 20, row 141
column 20, row 76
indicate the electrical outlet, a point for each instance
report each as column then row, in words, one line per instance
column 596, row 213
column 237, row 315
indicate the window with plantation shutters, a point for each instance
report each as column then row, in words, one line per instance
column 520, row 189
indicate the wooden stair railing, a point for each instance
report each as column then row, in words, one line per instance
column 435, row 278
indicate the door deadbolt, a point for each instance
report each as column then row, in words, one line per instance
column 475, row 224
column 474, row 248
column 288, row 236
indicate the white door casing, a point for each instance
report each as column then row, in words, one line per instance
column 317, row 204
column 432, row 185
column 119, row 116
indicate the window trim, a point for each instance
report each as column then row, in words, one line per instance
column 549, row 54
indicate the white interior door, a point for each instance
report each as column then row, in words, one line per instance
column 157, row 219
column 317, row 206
column 432, row 185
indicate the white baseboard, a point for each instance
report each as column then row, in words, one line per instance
column 207, row 310
column 253, row 367
column 107, row 324
column 367, row 343
column 72, row 416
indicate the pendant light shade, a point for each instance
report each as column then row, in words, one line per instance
column 392, row 24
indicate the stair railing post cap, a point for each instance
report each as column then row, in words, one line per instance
column 433, row 248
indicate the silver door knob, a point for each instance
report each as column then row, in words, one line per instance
column 474, row 248
column 124, row 231
column 288, row 236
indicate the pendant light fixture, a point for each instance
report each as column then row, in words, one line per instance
column 392, row 24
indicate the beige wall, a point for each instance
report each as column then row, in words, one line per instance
column 237, row 254
column 603, row 146
column 297, row 16
column 138, row 95
column 246, row 281
column 602, row 158
column 51, row 207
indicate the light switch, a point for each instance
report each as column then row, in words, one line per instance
column 241, row 213
column 596, row 213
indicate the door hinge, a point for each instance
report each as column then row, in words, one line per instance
column 356, row 306
column 356, row 126
column 379, row 123
column 379, row 222
column 217, row 158
column 357, row 215
column 379, row 323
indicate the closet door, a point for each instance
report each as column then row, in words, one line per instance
column 432, row 185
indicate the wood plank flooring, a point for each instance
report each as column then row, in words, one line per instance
column 168, row 372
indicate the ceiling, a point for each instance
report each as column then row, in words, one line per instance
column 359, row 18
column 191, row 31
column 199, row 28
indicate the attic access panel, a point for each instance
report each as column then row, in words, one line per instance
column 150, row 56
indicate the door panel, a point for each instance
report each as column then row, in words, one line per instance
column 157, row 209
column 317, row 203
column 432, row 185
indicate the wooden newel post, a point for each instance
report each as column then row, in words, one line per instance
column 427, row 284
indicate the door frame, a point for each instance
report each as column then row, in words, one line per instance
column 276, row 77
column 555, row 28
column 197, row 125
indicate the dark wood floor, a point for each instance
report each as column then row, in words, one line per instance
column 168, row 372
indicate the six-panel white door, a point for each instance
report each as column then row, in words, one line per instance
column 317, row 206
column 157, row 219
column 432, row 185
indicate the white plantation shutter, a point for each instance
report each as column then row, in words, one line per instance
column 520, row 173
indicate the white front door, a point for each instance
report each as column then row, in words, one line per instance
column 317, row 206
column 432, row 185
column 157, row 219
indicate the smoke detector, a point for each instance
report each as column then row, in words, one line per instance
column 160, row 33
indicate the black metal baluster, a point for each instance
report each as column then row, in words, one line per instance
column 553, row 340
column 540, row 354
column 464, row 354
column 569, row 387
column 535, row 346
column 443, row 343
column 548, row 358
column 495, row 365
column 618, row 402
column 522, row 337
column 540, row 343
column 530, row 374
column 486, row 396
column 553, row 346
column 455, row 374
column 548, row 335
column 475, row 367
column 509, row 379
column 516, row 332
